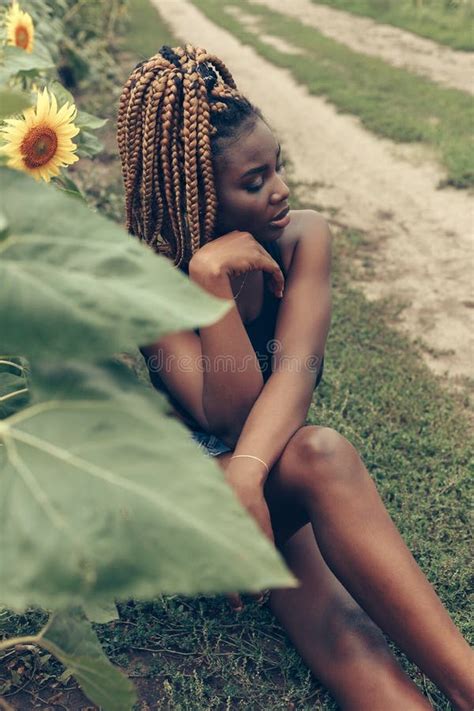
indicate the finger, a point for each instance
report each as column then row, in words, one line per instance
column 235, row 601
column 276, row 282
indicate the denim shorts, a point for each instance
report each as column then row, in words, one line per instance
column 211, row 445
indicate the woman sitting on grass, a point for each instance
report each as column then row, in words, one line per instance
column 205, row 187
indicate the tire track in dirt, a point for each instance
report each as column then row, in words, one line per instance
column 397, row 47
column 420, row 237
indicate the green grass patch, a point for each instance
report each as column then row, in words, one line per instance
column 445, row 21
column 390, row 102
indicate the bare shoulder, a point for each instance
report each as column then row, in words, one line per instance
column 307, row 224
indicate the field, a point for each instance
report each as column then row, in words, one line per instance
column 391, row 385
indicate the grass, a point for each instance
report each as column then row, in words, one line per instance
column 194, row 654
column 145, row 34
column 389, row 101
column 445, row 21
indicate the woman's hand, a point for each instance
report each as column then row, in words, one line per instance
column 246, row 478
column 235, row 254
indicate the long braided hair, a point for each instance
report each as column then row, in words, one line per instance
column 173, row 110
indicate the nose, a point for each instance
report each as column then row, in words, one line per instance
column 280, row 190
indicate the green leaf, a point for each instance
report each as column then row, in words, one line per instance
column 17, row 60
column 72, row 278
column 62, row 95
column 88, row 145
column 85, row 120
column 104, row 497
column 101, row 613
column 13, row 102
column 70, row 637
column 67, row 185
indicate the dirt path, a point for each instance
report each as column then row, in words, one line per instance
column 420, row 237
column 395, row 46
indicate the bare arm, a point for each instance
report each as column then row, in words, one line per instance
column 301, row 331
column 232, row 379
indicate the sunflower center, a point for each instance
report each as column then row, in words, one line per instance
column 39, row 146
column 21, row 36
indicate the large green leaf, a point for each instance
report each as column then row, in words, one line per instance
column 74, row 284
column 103, row 497
column 70, row 637
column 16, row 60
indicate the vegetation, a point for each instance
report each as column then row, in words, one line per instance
column 445, row 21
column 390, row 102
column 88, row 454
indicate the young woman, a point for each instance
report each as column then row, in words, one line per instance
column 205, row 187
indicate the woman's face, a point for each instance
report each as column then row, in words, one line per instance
column 250, row 185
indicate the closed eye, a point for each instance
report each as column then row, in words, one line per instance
column 259, row 186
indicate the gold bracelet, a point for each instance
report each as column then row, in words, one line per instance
column 252, row 457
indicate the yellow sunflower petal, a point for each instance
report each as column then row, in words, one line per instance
column 42, row 105
column 62, row 113
column 53, row 111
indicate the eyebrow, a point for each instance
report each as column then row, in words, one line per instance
column 261, row 168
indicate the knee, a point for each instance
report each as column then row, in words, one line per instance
column 325, row 458
column 315, row 443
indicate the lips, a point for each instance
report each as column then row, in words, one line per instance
column 283, row 213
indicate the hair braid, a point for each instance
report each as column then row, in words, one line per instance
column 172, row 110
column 190, row 115
column 135, row 126
column 221, row 68
column 177, row 159
column 205, row 156
column 151, row 140
column 167, row 114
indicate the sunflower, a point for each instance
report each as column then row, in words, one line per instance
column 20, row 29
column 40, row 142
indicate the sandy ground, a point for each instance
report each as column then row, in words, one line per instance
column 420, row 238
column 395, row 46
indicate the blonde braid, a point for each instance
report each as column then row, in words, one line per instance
column 167, row 113
column 135, row 124
column 222, row 69
column 121, row 126
column 190, row 159
column 205, row 160
column 151, row 138
column 177, row 158
column 131, row 136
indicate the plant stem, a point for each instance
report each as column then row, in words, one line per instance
column 14, row 641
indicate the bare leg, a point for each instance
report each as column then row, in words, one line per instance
column 336, row 638
column 339, row 643
column 363, row 548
